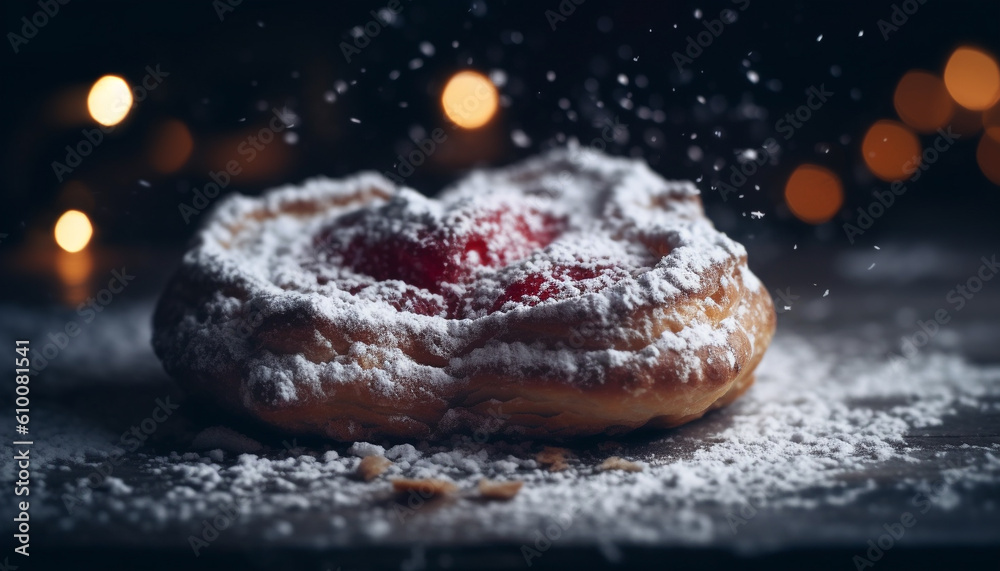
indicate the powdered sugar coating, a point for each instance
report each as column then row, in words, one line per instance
column 630, row 248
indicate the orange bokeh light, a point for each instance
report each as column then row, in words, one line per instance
column 891, row 150
column 470, row 99
column 988, row 157
column 922, row 101
column 170, row 146
column 73, row 231
column 991, row 120
column 972, row 78
column 109, row 100
column 814, row 194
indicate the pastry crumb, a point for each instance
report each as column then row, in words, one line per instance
column 554, row 458
column 371, row 467
column 494, row 490
column 616, row 463
column 426, row 487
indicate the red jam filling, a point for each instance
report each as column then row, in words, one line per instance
column 430, row 252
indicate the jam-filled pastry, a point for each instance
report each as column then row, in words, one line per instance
column 571, row 294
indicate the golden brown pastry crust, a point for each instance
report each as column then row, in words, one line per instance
column 305, row 358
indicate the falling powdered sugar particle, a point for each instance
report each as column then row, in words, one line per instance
column 520, row 138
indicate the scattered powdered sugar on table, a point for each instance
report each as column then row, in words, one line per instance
column 809, row 425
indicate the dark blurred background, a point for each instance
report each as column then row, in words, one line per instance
column 216, row 72
column 696, row 89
